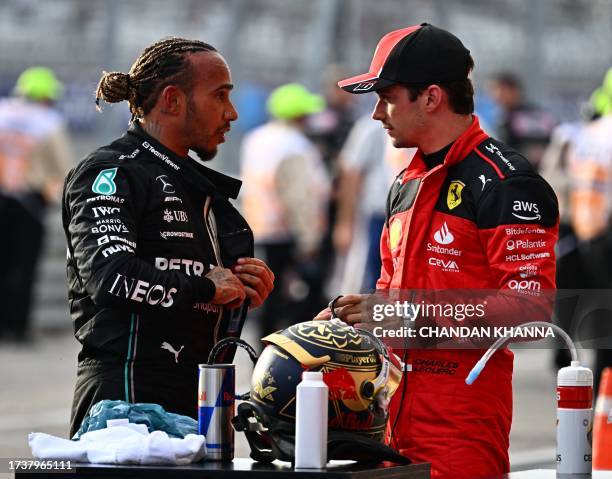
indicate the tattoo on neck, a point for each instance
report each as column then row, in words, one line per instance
column 153, row 128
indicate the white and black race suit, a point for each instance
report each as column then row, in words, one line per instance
column 144, row 226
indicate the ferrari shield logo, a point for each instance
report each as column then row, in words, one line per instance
column 453, row 197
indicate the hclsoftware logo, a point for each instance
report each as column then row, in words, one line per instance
column 443, row 235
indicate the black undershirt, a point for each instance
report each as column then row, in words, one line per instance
column 436, row 158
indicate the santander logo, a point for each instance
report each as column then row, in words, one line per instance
column 443, row 235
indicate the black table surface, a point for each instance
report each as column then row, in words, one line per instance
column 552, row 474
column 238, row 469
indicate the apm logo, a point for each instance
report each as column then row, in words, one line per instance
column 104, row 184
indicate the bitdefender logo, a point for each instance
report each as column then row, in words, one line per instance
column 443, row 235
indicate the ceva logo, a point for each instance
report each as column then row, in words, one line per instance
column 444, row 264
column 443, row 235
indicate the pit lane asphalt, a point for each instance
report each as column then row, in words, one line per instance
column 37, row 382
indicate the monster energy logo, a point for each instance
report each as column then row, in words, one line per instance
column 104, row 183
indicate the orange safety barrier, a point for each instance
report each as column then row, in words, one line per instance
column 602, row 427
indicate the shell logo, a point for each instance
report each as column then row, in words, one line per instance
column 395, row 233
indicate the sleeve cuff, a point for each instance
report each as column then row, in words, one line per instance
column 204, row 289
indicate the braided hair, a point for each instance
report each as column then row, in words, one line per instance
column 159, row 65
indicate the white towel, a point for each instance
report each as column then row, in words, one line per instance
column 125, row 444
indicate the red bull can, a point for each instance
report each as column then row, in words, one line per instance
column 216, row 392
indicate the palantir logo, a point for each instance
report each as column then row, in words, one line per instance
column 104, row 184
column 443, row 235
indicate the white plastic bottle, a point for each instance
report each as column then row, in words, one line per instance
column 574, row 420
column 311, row 422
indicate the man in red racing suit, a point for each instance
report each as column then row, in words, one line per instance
column 468, row 212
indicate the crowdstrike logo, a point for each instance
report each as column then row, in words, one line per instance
column 491, row 148
column 443, row 235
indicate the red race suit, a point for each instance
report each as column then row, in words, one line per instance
column 483, row 219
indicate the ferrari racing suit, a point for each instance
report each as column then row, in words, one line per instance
column 481, row 220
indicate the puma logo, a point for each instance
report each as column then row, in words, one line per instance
column 484, row 180
column 169, row 347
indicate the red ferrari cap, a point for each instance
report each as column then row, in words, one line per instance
column 418, row 54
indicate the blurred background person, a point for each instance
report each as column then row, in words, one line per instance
column 329, row 130
column 330, row 127
column 286, row 193
column 555, row 167
column 570, row 272
column 590, row 211
column 368, row 164
column 522, row 125
column 35, row 154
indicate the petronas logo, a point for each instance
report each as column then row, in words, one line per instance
column 104, row 183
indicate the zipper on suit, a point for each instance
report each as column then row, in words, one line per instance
column 211, row 229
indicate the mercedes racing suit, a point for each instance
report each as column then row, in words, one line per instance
column 144, row 227
column 483, row 219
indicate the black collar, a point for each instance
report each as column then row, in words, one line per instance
column 197, row 175
column 437, row 157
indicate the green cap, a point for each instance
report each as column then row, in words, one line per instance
column 39, row 83
column 601, row 99
column 293, row 100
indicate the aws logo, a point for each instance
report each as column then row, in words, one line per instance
column 529, row 210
